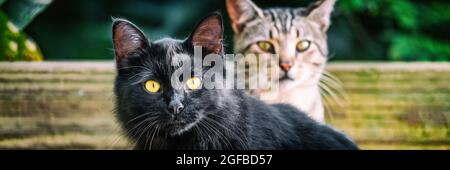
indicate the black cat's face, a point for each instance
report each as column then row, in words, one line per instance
column 146, row 98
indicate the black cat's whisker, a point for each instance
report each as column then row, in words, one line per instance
column 236, row 134
column 231, row 132
column 139, row 80
column 142, row 122
column 204, row 133
column 140, row 132
column 216, row 115
column 128, row 67
column 206, row 129
column 137, row 117
column 203, row 127
column 200, row 134
column 147, row 130
column 141, row 115
column 118, row 138
column 155, row 132
column 195, row 129
column 220, row 133
column 146, row 122
column 138, row 74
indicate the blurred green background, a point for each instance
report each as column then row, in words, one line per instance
column 407, row 30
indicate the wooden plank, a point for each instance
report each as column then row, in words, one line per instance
column 65, row 104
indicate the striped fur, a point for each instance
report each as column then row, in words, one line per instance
column 284, row 28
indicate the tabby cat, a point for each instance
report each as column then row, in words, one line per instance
column 298, row 36
column 156, row 115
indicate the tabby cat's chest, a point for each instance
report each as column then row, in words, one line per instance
column 307, row 99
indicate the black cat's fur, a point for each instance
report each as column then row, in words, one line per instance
column 212, row 119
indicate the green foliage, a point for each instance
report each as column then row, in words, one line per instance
column 410, row 30
column 15, row 44
column 421, row 48
column 403, row 12
column 22, row 12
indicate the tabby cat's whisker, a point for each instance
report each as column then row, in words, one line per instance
column 336, row 91
column 328, row 74
column 332, row 94
column 327, row 104
column 335, row 83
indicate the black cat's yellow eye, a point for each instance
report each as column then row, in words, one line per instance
column 194, row 83
column 265, row 46
column 152, row 86
column 303, row 45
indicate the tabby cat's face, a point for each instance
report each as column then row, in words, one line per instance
column 297, row 35
column 147, row 99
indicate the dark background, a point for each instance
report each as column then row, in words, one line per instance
column 408, row 30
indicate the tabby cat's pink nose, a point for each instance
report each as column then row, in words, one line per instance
column 286, row 66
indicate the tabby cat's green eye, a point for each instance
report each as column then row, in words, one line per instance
column 303, row 45
column 194, row 83
column 265, row 46
column 152, row 86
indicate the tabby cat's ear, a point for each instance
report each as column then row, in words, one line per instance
column 127, row 38
column 321, row 13
column 209, row 34
column 240, row 12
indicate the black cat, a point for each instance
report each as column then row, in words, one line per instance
column 156, row 115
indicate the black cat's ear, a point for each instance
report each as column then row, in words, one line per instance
column 209, row 34
column 127, row 38
column 240, row 12
column 320, row 12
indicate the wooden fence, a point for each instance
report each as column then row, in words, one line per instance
column 68, row 105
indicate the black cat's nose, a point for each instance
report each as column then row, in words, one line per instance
column 175, row 107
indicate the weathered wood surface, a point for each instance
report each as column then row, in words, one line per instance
column 65, row 105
